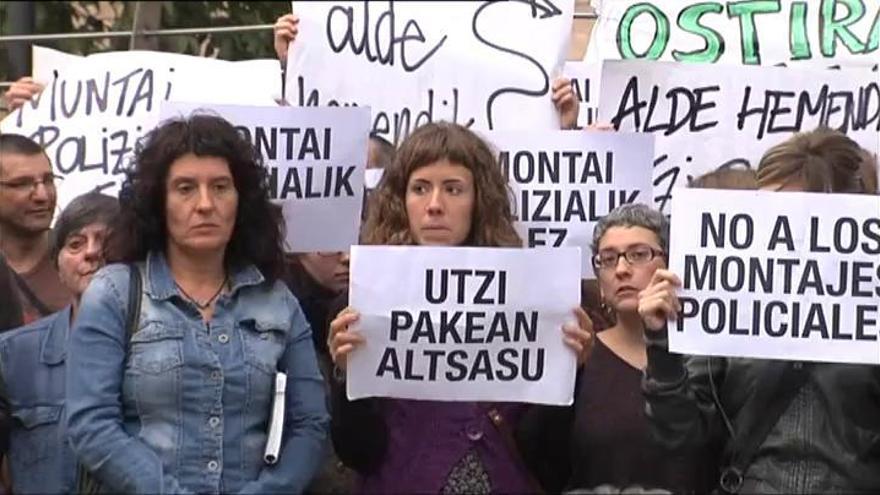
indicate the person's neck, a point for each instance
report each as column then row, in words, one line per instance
column 196, row 271
column 628, row 331
column 23, row 252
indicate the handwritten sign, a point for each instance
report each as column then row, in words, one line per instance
column 463, row 324
column 776, row 275
column 95, row 108
column 705, row 116
column 564, row 182
column 819, row 33
column 316, row 159
column 481, row 64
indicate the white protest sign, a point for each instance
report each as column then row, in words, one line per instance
column 95, row 108
column 585, row 78
column 705, row 116
column 316, row 159
column 777, row 275
column 819, row 33
column 563, row 182
column 463, row 324
column 487, row 65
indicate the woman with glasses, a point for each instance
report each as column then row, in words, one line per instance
column 603, row 442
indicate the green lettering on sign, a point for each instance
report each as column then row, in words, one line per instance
column 799, row 41
column 830, row 28
column 689, row 20
column 661, row 32
column 746, row 12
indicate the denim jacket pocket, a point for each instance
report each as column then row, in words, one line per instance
column 264, row 342
column 156, row 348
column 38, row 437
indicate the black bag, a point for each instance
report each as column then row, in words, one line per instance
column 85, row 482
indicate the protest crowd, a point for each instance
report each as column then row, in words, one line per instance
column 455, row 307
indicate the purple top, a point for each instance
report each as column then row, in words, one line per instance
column 425, row 439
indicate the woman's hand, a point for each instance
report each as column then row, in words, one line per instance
column 565, row 102
column 286, row 28
column 341, row 341
column 580, row 337
column 21, row 92
column 659, row 302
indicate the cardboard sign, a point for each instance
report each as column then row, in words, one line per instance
column 485, row 65
column 463, row 324
column 316, row 159
column 777, row 275
column 564, row 182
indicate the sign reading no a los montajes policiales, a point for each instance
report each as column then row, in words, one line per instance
column 777, row 275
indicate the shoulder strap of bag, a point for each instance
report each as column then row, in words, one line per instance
column 135, row 293
column 29, row 294
column 745, row 445
column 86, row 483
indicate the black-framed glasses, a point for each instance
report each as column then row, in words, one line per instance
column 29, row 184
column 639, row 254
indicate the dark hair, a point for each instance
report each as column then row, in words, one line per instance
column 16, row 144
column 384, row 151
column 10, row 310
column 868, row 170
column 492, row 224
column 825, row 160
column 84, row 210
column 258, row 235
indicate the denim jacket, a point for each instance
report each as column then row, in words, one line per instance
column 32, row 365
column 189, row 410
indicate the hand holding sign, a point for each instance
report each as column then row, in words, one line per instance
column 659, row 302
column 341, row 341
column 580, row 337
column 565, row 102
column 286, row 28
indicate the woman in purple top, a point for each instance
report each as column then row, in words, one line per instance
column 444, row 189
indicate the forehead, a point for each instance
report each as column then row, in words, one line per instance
column 17, row 165
column 93, row 228
column 621, row 237
column 195, row 167
column 442, row 170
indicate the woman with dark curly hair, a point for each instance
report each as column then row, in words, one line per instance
column 444, row 189
column 175, row 394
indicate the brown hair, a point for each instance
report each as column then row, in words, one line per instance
column 492, row 223
column 825, row 160
column 868, row 169
column 726, row 178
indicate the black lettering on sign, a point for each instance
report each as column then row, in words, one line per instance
column 458, row 365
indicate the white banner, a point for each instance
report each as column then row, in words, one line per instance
column 463, row 324
column 95, row 108
column 792, row 32
column 489, row 65
column 316, row 159
column 706, row 116
column 563, row 182
column 776, row 275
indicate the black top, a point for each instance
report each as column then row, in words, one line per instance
column 604, row 439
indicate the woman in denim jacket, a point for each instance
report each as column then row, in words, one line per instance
column 32, row 358
column 185, row 406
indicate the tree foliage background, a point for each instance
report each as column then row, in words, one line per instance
column 77, row 17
